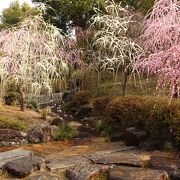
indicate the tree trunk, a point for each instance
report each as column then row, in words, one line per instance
column 124, row 84
column 175, row 93
column 21, row 100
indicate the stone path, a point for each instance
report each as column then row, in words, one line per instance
column 122, row 163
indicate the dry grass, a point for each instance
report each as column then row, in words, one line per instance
column 30, row 117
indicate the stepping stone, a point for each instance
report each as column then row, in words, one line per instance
column 12, row 155
column 87, row 172
column 132, row 173
column 117, row 158
column 66, row 162
column 43, row 177
column 23, row 167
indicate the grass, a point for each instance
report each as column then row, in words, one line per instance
column 8, row 123
column 28, row 117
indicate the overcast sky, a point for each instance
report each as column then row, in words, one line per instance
column 5, row 3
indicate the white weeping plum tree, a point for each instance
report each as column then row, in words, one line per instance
column 30, row 56
column 117, row 51
column 161, row 45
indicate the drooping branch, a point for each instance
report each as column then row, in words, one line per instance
column 161, row 43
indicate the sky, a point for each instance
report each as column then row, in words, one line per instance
column 5, row 3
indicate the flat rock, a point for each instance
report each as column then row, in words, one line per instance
column 87, row 172
column 66, row 162
column 132, row 173
column 117, row 158
column 167, row 163
column 43, row 177
column 12, row 155
column 23, row 167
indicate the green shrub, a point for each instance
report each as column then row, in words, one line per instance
column 33, row 104
column 157, row 116
column 128, row 111
column 11, row 93
column 81, row 98
column 65, row 132
column 106, row 128
column 100, row 104
column 9, row 123
column 44, row 112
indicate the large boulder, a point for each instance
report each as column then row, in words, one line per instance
column 84, row 111
column 133, row 136
column 23, row 167
column 132, row 173
column 41, row 133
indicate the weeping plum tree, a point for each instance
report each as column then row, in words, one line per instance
column 30, row 55
column 117, row 51
column 161, row 43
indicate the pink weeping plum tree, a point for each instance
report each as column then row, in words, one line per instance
column 33, row 54
column 161, row 43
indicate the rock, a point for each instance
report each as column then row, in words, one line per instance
column 116, row 137
column 46, row 104
column 57, row 121
column 117, row 158
column 23, row 167
column 41, row 133
column 132, row 173
column 43, row 177
column 67, row 96
column 10, row 135
column 133, row 136
column 87, row 172
column 12, row 155
column 52, row 114
column 175, row 175
column 149, row 145
column 66, row 162
column 161, row 162
column 84, row 111
column 74, row 124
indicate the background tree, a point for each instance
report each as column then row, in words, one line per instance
column 141, row 5
column 116, row 49
column 31, row 57
column 161, row 43
column 16, row 13
column 64, row 13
